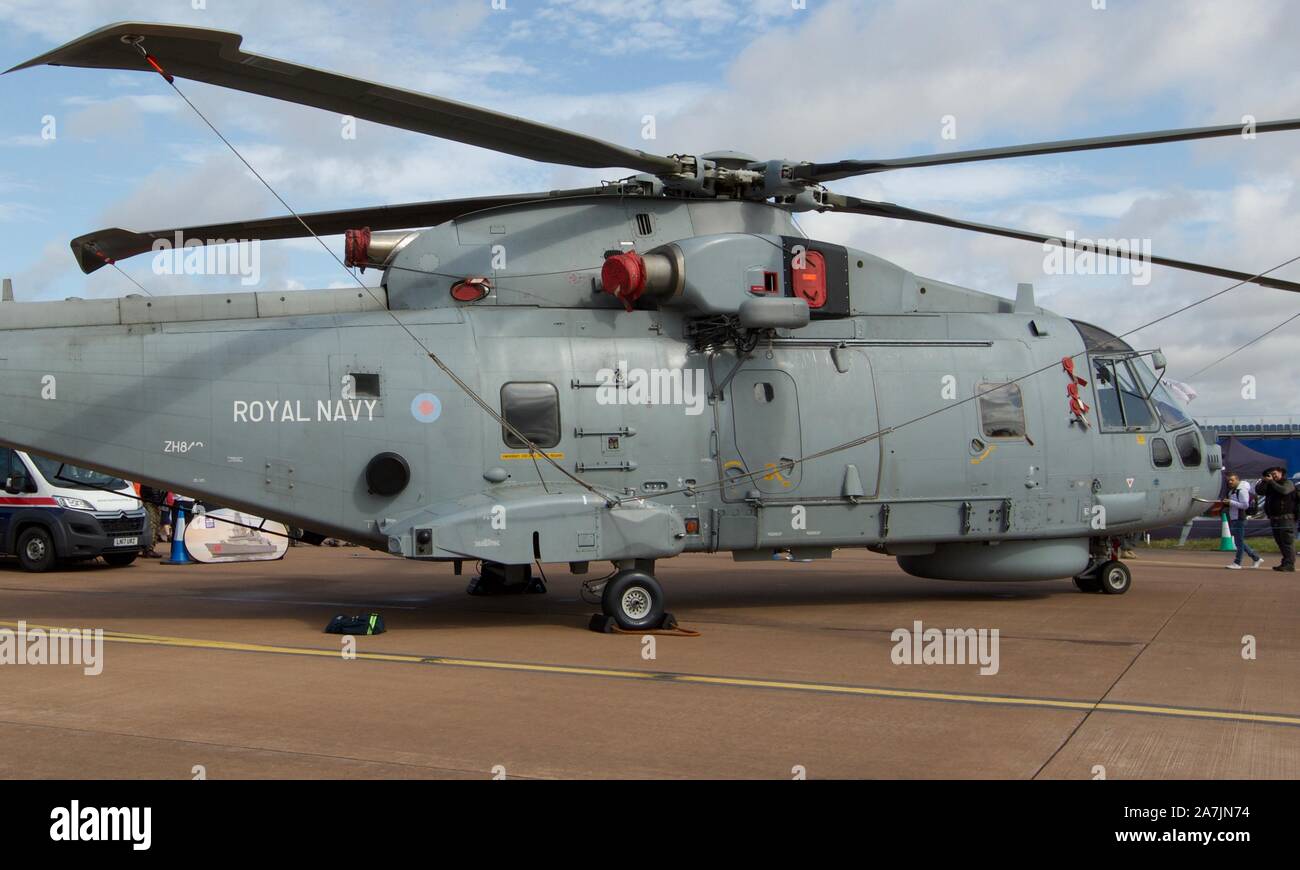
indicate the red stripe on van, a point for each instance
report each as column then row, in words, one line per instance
column 38, row 500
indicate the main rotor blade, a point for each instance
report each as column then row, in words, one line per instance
column 853, row 205
column 823, row 172
column 96, row 250
column 213, row 56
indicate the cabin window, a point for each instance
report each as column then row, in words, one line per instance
column 1160, row 454
column 1189, row 449
column 764, row 393
column 366, row 385
column 533, row 409
column 1002, row 410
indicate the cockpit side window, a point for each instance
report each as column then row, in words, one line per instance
column 1189, row 449
column 1108, row 402
column 1121, row 399
column 1137, row 413
column 1160, row 455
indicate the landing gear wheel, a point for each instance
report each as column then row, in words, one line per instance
column 119, row 560
column 634, row 600
column 1088, row 583
column 36, row 550
column 1115, row 577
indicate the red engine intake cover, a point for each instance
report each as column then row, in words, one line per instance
column 356, row 248
column 623, row 277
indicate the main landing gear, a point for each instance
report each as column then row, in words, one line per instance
column 631, row 599
column 1107, row 574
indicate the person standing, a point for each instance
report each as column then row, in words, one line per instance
column 1280, row 506
column 152, row 500
column 1239, row 497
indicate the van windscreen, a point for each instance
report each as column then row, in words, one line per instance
column 57, row 473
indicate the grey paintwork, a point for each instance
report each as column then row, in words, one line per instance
column 136, row 377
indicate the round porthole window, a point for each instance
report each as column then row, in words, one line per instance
column 387, row 474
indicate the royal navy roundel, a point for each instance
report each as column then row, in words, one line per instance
column 426, row 407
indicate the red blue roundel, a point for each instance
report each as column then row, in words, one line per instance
column 426, row 407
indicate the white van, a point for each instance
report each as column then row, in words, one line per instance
column 51, row 511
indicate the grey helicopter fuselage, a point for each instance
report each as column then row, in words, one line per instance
column 315, row 408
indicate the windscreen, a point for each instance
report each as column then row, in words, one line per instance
column 57, row 473
column 1171, row 410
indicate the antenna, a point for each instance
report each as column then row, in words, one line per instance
column 1024, row 299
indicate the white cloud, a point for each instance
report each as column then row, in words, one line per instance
column 838, row 80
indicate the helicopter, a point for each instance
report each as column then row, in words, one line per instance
column 618, row 374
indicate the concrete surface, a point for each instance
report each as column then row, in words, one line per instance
column 226, row 667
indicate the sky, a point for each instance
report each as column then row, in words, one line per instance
column 798, row 79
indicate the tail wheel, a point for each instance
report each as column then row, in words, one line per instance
column 1115, row 577
column 36, row 550
column 634, row 600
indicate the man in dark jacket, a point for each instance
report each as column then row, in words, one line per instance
column 152, row 500
column 1280, row 506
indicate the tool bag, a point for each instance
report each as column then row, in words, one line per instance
column 371, row 623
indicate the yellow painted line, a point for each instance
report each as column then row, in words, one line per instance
column 699, row 679
column 1201, row 714
column 831, row 688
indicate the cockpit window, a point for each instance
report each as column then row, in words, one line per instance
column 1108, row 407
column 1121, row 398
column 1098, row 340
column 1169, row 408
column 1189, row 449
column 1137, row 413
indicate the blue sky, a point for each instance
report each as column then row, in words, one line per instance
column 831, row 80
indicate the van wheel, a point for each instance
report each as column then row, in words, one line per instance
column 36, row 550
column 119, row 560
